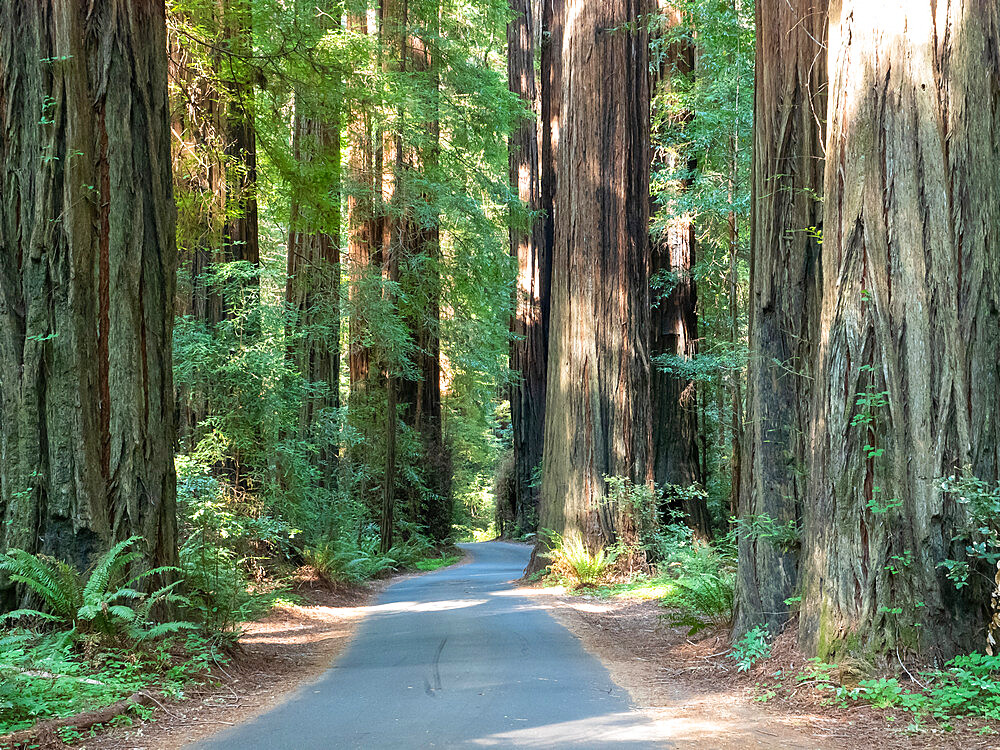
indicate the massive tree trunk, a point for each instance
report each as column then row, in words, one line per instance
column 87, row 265
column 597, row 420
column 789, row 110
column 674, row 325
column 907, row 386
column 313, row 284
column 529, row 323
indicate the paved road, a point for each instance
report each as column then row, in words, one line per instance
column 454, row 659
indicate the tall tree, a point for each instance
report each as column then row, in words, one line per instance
column 789, row 111
column 421, row 393
column 907, row 385
column 197, row 109
column 240, row 234
column 313, row 262
column 87, row 264
column 597, row 420
column 674, row 316
column 361, row 230
column 529, row 323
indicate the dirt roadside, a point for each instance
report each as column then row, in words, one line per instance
column 699, row 701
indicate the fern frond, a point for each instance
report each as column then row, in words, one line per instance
column 17, row 614
column 57, row 583
column 164, row 628
column 111, row 563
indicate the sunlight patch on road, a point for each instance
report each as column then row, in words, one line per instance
column 615, row 728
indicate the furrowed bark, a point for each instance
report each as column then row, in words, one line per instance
column 529, row 323
column 789, row 111
column 597, row 420
column 87, row 265
column 908, row 382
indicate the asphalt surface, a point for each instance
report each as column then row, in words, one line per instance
column 454, row 659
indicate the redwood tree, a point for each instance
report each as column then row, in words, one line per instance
column 907, row 386
column 529, row 323
column 312, row 289
column 674, row 318
column 597, row 420
column 789, row 110
column 87, row 266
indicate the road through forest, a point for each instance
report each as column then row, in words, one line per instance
column 455, row 658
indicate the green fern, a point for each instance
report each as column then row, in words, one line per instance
column 55, row 582
column 105, row 603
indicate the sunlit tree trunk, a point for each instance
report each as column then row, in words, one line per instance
column 529, row 323
column 789, row 111
column 87, row 264
column 197, row 144
column 907, row 386
column 360, row 231
column 424, row 408
column 597, row 420
column 396, row 239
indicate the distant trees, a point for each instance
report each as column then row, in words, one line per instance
column 87, row 264
column 530, row 247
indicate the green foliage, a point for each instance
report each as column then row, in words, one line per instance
column 785, row 536
column 702, row 600
column 981, row 532
column 107, row 602
column 572, row 561
column 344, row 561
column 436, row 563
column 967, row 686
column 751, row 648
column 45, row 675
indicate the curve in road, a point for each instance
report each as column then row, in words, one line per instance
column 455, row 659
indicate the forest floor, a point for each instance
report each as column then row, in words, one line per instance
column 701, row 702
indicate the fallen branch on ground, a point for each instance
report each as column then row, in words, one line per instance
column 46, row 730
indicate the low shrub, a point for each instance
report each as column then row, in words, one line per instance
column 573, row 562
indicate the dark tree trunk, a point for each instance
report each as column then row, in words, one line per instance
column 907, row 386
column 597, row 419
column 87, row 264
column 789, row 110
column 674, row 329
column 240, row 233
column 529, row 323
